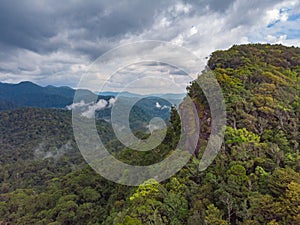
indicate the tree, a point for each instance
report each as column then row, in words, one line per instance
column 214, row 216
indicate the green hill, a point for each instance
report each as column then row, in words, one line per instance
column 255, row 179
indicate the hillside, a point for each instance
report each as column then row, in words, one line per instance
column 30, row 94
column 255, row 179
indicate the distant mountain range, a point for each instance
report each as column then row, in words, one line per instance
column 168, row 96
column 28, row 94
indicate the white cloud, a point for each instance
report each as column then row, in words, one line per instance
column 77, row 105
column 54, row 68
column 165, row 107
column 90, row 112
column 111, row 102
column 181, row 8
column 88, row 109
column 157, row 105
column 193, row 31
column 276, row 25
column 164, row 23
column 278, row 40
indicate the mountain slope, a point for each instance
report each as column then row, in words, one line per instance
column 255, row 179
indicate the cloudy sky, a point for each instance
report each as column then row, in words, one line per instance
column 54, row 42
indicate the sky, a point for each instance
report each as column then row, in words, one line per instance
column 55, row 42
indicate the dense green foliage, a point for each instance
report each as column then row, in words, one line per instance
column 255, row 178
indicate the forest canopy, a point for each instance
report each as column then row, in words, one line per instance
column 255, row 179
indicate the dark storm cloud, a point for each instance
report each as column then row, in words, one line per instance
column 43, row 26
column 86, row 27
column 24, row 25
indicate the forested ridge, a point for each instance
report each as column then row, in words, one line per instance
column 255, row 179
